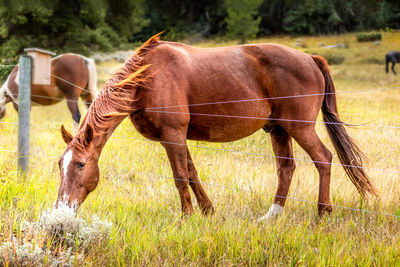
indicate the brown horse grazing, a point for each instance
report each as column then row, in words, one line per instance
column 71, row 76
column 161, row 89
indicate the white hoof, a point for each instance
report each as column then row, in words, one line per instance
column 274, row 211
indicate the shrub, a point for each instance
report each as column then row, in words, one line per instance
column 334, row 58
column 369, row 36
column 58, row 238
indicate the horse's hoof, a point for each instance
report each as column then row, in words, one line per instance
column 208, row 210
column 274, row 211
column 324, row 210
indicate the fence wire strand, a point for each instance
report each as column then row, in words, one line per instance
column 239, row 152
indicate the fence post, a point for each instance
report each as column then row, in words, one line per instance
column 24, row 108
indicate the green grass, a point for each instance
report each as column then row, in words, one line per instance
column 137, row 194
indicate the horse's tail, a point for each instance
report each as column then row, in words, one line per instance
column 348, row 152
column 92, row 84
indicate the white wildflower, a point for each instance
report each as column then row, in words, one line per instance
column 61, row 226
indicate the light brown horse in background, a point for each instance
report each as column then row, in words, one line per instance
column 72, row 76
column 173, row 92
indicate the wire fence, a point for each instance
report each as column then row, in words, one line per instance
column 70, row 83
column 161, row 109
column 236, row 188
column 263, row 155
column 382, row 89
column 153, row 110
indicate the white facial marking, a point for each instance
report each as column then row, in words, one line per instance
column 274, row 211
column 66, row 161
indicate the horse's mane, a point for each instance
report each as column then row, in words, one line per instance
column 116, row 98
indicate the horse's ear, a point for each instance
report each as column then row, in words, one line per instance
column 88, row 135
column 66, row 135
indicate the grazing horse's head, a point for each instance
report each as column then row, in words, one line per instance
column 79, row 168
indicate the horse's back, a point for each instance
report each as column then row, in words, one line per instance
column 235, row 68
column 393, row 56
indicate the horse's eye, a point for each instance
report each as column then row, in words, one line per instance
column 80, row 165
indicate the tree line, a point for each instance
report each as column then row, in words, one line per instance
column 85, row 26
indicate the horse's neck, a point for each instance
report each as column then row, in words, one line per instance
column 100, row 138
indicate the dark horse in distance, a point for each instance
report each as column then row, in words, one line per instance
column 172, row 92
column 393, row 57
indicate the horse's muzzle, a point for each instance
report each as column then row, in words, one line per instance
column 67, row 200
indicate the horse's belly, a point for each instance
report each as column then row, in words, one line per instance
column 224, row 130
column 46, row 94
column 228, row 123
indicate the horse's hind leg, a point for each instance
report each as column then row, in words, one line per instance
column 194, row 182
column 74, row 109
column 308, row 139
column 282, row 146
column 393, row 64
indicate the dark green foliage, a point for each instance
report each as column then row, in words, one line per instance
column 183, row 18
column 86, row 26
column 369, row 36
column 80, row 26
column 242, row 20
column 312, row 17
column 4, row 71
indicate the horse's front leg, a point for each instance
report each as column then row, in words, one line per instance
column 393, row 64
column 176, row 148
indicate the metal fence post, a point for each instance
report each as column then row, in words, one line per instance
column 24, row 108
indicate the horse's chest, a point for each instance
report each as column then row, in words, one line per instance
column 147, row 126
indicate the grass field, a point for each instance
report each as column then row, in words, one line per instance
column 137, row 194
